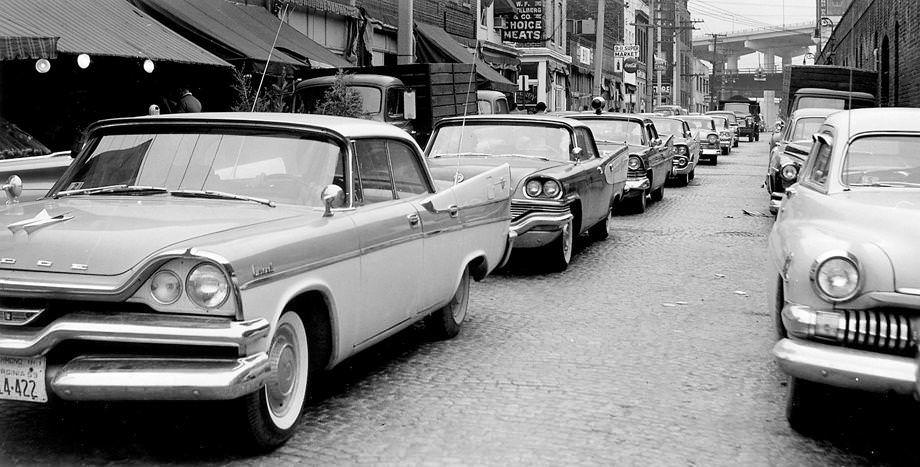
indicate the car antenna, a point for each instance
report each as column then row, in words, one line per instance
column 849, row 121
column 466, row 105
column 284, row 12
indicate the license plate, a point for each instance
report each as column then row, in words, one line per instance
column 23, row 379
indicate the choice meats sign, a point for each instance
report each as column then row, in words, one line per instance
column 526, row 26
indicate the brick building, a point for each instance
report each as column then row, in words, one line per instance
column 881, row 35
column 676, row 42
column 582, row 19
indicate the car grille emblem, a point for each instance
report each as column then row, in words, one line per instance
column 7, row 260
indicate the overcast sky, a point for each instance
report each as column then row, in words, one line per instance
column 726, row 16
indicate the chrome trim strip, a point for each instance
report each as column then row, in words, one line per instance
column 286, row 273
column 134, row 328
column 144, row 378
column 908, row 291
column 847, row 368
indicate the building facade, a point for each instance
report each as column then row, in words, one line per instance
column 884, row 36
column 583, row 21
column 538, row 31
column 699, row 86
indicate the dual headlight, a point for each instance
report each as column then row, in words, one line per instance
column 634, row 163
column 789, row 172
column 726, row 134
column 836, row 278
column 206, row 286
column 713, row 139
column 542, row 188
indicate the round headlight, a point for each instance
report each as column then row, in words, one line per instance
column 681, row 162
column 207, row 286
column 634, row 163
column 551, row 188
column 837, row 278
column 533, row 188
column 165, row 287
column 713, row 139
column 789, row 172
column 681, row 150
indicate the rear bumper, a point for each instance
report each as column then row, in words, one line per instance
column 140, row 377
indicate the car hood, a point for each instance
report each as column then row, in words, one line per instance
column 111, row 235
column 891, row 217
column 444, row 168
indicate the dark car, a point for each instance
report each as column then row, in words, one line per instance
column 650, row 157
column 791, row 152
column 687, row 147
column 562, row 185
column 748, row 113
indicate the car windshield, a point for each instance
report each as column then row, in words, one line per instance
column 883, row 161
column 503, row 139
column 700, row 123
column 730, row 117
column 721, row 122
column 737, row 107
column 615, row 131
column 309, row 98
column 805, row 127
column 669, row 127
column 260, row 164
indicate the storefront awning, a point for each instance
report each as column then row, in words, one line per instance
column 17, row 143
column 435, row 45
column 25, row 48
column 98, row 28
column 240, row 33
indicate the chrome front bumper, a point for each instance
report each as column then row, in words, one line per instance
column 138, row 377
column 635, row 186
column 675, row 170
column 846, row 368
column 712, row 151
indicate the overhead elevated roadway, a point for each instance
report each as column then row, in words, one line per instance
column 785, row 42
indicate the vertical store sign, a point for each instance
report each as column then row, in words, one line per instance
column 526, row 26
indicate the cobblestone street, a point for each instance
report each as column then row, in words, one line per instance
column 654, row 347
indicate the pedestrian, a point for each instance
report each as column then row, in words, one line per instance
column 153, row 109
column 187, row 102
column 541, row 107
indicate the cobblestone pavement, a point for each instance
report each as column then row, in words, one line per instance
column 653, row 348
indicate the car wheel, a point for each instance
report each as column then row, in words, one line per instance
column 692, row 174
column 658, row 195
column 804, row 403
column 735, row 144
column 271, row 413
column 446, row 322
column 725, row 151
column 601, row 230
column 715, row 160
column 683, row 179
column 560, row 251
column 750, row 138
column 639, row 203
column 757, row 137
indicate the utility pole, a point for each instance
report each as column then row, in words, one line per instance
column 715, row 68
column 650, row 62
column 599, row 50
column 657, row 22
column 405, row 47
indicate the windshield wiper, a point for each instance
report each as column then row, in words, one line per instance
column 460, row 154
column 527, row 156
column 110, row 189
column 211, row 194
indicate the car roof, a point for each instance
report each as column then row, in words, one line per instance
column 343, row 126
column 588, row 115
column 521, row 118
column 882, row 119
column 720, row 112
column 835, row 93
column 489, row 93
column 812, row 112
column 381, row 80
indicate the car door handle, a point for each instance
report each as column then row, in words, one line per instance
column 453, row 210
column 414, row 220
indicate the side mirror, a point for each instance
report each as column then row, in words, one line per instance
column 333, row 196
column 779, row 125
column 409, row 110
column 13, row 189
column 576, row 153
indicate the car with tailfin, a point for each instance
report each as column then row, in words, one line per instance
column 788, row 156
column 704, row 129
column 687, row 148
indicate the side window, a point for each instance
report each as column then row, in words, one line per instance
column 652, row 132
column 586, row 143
column 485, row 107
column 395, row 104
column 407, row 173
column 501, row 106
column 822, row 158
column 374, row 179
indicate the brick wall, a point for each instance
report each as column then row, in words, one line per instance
column 613, row 17
column 863, row 29
column 457, row 17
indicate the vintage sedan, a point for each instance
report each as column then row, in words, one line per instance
column 789, row 154
column 732, row 124
column 687, row 148
column 704, row 129
column 233, row 257
column 725, row 133
column 842, row 260
column 563, row 186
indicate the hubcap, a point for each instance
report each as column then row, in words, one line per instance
column 459, row 302
column 567, row 241
column 609, row 220
column 284, row 360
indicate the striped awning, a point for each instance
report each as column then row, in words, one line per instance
column 25, row 48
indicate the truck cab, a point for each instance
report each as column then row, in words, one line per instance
column 492, row 102
column 383, row 98
column 817, row 98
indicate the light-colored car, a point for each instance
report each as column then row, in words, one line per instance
column 37, row 174
column 563, row 185
column 791, row 151
column 687, row 148
column 492, row 102
column 233, row 257
column 842, row 259
column 726, row 135
column 732, row 123
column 704, row 129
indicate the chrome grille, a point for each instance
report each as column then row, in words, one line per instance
column 638, row 173
column 519, row 209
column 887, row 331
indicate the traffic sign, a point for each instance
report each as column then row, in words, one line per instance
column 626, row 50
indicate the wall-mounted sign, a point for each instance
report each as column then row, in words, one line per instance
column 630, row 65
column 626, row 50
column 525, row 28
column 834, row 7
column 585, row 55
